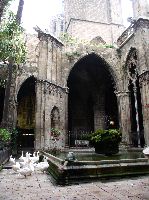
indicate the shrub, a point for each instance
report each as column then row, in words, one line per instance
column 106, row 141
column 111, row 135
column 5, row 137
column 55, row 132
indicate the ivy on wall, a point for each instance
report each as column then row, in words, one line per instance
column 73, row 45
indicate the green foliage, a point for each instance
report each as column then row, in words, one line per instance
column 4, row 4
column 5, row 135
column 111, row 135
column 55, row 132
column 73, row 41
column 12, row 45
column 68, row 39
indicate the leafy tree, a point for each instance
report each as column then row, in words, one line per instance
column 3, row 5
column 12, row 45
column 12, row 52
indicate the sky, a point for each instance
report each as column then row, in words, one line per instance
column 39, row 12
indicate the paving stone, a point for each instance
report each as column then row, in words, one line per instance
column 39, row 187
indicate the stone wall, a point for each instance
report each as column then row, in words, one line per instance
column 140, row 8
column 87, row 30
column 104, row 11
column 138, row 41
column 92, row 18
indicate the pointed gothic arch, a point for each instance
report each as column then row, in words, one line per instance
column 92, row 103
column 26, row 99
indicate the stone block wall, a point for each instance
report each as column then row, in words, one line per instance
column 87, row 30
column 89, row 19
column 105, row 11
column 140, row 8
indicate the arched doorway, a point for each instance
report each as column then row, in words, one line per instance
column 2, row 97
column 26, row 114
column 137, row 129
column 92, row 103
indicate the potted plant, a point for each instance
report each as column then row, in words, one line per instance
column 106, row 141
column 55, row 133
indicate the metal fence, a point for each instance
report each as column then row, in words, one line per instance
column 4, row 155
column 77, row 138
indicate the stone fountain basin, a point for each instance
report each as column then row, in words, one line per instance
column 87, row 171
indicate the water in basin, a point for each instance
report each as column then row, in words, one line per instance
column 97, row 157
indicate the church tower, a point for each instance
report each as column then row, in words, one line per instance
column 140, row 8
column 88, row 19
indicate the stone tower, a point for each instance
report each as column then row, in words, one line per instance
column 140, row 8
column 87, row 19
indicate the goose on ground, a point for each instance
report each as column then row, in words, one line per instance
column 12, row 160
column 16, row 167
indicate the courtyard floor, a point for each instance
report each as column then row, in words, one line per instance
column 40, row 187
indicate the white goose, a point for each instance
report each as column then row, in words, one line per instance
column 42, row 166
column 16, row 167
column 35, row 157
column 27, row 170
column 12, row 160
column 22, row 158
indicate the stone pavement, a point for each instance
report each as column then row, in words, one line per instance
column 39, row 187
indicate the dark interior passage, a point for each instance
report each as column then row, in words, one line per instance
column 92, row 103
column 26, row 113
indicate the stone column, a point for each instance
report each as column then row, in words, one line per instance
column 144, row 88
column 46, row 117
column 66, row 119
column 99, row 112
column 40, row 115
column 124, row 115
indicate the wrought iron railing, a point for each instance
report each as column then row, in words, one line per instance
column 78, row 138
column 125, row 35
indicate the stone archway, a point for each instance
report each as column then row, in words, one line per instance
column 136, row 117
column 26, row 99
column 92, row 103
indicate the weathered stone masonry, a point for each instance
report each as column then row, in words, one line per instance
column 49, row 64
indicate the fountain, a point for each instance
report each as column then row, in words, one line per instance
column 73, row 167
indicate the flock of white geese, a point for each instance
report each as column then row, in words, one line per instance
column 28, row 164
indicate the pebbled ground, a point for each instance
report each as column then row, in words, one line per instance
column 40, row 187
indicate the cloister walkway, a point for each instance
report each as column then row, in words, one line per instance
column 40, row 187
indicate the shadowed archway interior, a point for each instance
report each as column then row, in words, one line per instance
column 92, row 103
column 26, row 113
